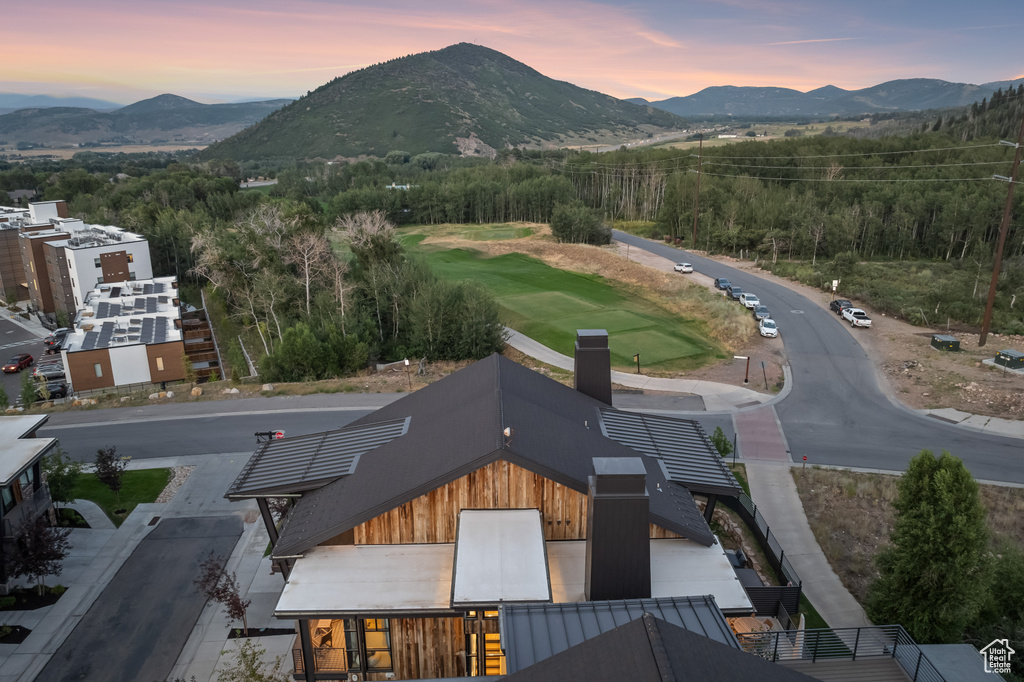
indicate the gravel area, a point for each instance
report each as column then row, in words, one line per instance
column 178, row 479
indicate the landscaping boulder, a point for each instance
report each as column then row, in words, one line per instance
column 154, row 396
column 170, row 394
column 126, row 398
column 196, row 391
column 268, row 387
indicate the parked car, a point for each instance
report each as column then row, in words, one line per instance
column 856, row 317
column 749, row 300
column 735, row 293
column 761, row 312
column 768, row 328
column 18, row 363
column 49, row 371
column 683, row 267
column 839, row 305
column 722, row 283
column 54, row 390
column 57, row 336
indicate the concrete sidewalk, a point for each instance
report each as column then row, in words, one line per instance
column 717, row 397
column 774, row 492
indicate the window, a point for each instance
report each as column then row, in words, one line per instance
column 159, row 364
column 8, row 499
column 131, row 258
column 27, row 481
column 493, row 661
column 377, row 636
column 131, row 276
column 96, row 262
column 98, row 368
column 349, row 644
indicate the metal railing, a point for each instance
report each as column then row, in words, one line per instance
column 789, row 593
column 852, row 644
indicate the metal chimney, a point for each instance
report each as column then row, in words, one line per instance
column 592, row 366
column 618, row 533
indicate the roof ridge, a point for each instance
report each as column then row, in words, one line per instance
column 658, row 651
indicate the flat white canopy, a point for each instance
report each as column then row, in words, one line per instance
column 353, row 579
column 679, row 568
column 500, row 557
column 16, row 451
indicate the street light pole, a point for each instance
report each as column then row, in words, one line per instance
column 1003, row 229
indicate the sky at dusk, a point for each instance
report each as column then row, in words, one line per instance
column 227, row 50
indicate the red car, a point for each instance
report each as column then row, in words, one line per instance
column 18, row 363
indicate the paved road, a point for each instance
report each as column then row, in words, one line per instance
column 201, row 428
column 138, row 626
column 837, row 413
column 15, row 339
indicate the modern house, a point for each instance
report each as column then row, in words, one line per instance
column 24, row 494
column 127, row 333
column 61, row 259
column 413, row 528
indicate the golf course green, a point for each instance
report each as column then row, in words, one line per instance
column 549, row 305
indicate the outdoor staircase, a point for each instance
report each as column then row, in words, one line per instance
column 200, row 347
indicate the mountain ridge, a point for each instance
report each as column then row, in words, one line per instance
column 463, row 98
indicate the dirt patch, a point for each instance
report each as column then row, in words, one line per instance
column 851, row 516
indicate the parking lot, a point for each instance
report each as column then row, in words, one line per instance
column 15, row 339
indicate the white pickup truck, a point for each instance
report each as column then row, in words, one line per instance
column 856, row 317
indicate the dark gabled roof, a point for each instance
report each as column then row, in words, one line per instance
column 294, row 465
column 455, row 426
column 650, row 649
column 681, row 444
column 534, row 632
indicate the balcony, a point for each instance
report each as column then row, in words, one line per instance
column 881, row 654
column 28, row 510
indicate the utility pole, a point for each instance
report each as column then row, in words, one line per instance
column 1003, row 229
column 696, row 196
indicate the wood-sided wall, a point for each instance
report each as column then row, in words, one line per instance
column 426, row 648
column 433, row 518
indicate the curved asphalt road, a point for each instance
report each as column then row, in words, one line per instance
column 836, row 412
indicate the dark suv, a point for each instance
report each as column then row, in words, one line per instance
column 54, row 390
column 721, row 283
column 839, row 305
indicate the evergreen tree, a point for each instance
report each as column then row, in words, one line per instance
column 933, row 578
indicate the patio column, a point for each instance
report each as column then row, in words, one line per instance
column 308, row 660
column 709, row 508
column 268, row 520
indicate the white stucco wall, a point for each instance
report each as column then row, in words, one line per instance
column 129, row 364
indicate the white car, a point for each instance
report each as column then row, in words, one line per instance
column 683, row 267
column 749, row 300
column 768, row 328
column 856, row 317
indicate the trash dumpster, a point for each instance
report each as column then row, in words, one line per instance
column 1010, row 359
column 943, row 342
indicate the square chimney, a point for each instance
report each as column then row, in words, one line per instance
column 592, row 366
column 618, row 532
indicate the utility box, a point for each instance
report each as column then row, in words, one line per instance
column 1010, row 359
column 943, row 342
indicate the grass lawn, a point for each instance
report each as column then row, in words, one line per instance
column 549, row 305
column 139, row 486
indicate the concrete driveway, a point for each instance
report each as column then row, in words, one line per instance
column 137, row 627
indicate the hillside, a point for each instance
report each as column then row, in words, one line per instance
column 462, row 99
column 911, row 94
column 166, row 118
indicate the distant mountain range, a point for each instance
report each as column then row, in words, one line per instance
column 10, row 101
column 161, row 119
column 461, row 99
column 913, row 94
